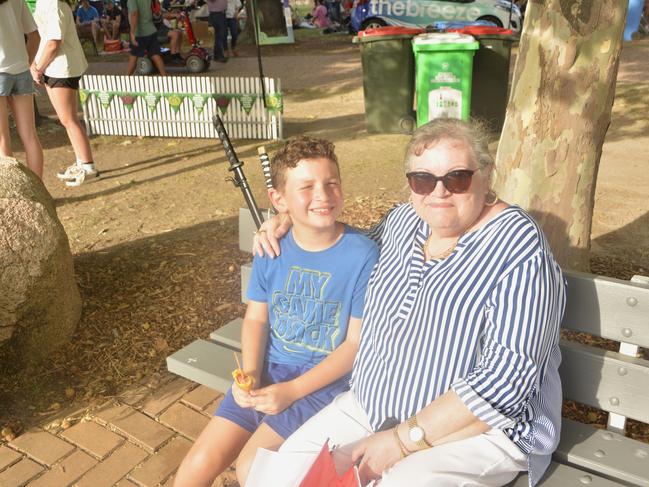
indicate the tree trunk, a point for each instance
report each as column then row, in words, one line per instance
column 557, row 117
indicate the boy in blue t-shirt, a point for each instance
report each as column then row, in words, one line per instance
column 302, row 326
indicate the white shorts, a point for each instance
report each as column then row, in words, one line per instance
column 489, row 459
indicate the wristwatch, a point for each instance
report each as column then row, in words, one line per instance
column 416, row 433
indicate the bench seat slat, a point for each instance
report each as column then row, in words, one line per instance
column 606, row 380
column 608, row 453
column 558, row 475
column 229, row 334
column 204, row 362
column 604, row 307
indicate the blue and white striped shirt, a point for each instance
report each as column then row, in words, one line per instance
column 483, row 322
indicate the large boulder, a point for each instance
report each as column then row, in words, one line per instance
column 40, row 303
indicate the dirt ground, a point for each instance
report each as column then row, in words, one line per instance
column 155, row 238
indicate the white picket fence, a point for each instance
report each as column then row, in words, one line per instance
column 106, row 99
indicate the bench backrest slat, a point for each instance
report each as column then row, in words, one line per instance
column 606, row 380
column 606, row 307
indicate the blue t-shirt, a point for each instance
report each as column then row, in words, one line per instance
column 312, row 295
column 89, row 15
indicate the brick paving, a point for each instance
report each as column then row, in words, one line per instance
column 137, row 441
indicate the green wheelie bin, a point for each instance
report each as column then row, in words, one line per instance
column 444, row 63
column 388, row 78
column 490, row 73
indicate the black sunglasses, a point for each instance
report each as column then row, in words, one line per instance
column 457, row 181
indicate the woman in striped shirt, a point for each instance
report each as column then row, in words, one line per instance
column 456, row 380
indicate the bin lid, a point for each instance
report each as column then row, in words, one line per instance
column 445, row 41
column 373, row 34
column 449, row 26
column 482, row 30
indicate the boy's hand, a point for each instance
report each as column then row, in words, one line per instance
column 275, row 398
column 242, row 398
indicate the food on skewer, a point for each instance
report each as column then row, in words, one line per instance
column 243, row 381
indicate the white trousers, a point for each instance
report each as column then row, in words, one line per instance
column 489, row 459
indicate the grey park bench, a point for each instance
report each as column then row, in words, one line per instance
column 614, row 381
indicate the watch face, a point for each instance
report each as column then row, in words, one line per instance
column 416, row 434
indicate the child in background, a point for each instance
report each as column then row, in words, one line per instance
column 320, row 18
column 302, row 326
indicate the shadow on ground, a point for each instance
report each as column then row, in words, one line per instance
column 142, row 301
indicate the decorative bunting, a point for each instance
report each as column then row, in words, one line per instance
column 175, row 100
column 83, row 96
column 223, row 101
column 105, row 97
column 199, row 100
column 151, row 100
column 274, row 102
column 247, row 101
column 128, row 101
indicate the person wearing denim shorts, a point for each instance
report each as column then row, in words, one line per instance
column 144, row 37
column 16, row 85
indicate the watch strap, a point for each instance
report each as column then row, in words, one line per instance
column 412, row 423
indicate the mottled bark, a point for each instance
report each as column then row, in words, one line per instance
column 557, row 117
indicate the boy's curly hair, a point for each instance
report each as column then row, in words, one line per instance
column 295, row 150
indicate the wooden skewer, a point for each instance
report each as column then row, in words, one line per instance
column 236, row 358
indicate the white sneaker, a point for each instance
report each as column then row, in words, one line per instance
column 76, row 174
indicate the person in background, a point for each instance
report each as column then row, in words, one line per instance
column 320, row 19
column 144, row 36
column 231, row 19
column 111, row 20
column 124, row 24
column 88, row 21
column 334, row 11
column 166, row 33
column 16, row 84
column 59, row 65
column 216, row 19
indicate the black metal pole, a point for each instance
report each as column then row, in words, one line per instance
column 511, row 7
column 255, row 27
column 239, row 179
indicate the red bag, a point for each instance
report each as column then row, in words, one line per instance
column 156, row 10
column 323, row 473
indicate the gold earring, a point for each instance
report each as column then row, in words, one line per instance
column 491, row 199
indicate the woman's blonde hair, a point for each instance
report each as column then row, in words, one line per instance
column 473, row 134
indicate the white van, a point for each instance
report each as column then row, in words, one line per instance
column 422, row 13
